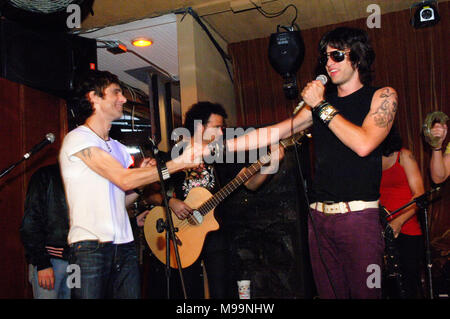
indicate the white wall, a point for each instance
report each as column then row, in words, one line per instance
column 203, row 74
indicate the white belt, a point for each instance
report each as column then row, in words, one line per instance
column 343, row 207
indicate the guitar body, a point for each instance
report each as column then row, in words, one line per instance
column 191, row 231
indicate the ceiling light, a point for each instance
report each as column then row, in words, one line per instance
column 142, row 42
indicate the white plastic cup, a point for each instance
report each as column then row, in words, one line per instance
column 244, row 289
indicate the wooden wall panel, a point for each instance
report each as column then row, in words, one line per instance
column 27, row 115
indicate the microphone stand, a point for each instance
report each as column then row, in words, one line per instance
column 8, row 169
column 50, row 138
column 423, row 202
column 167, row 225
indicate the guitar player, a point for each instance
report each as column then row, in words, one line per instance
column 212, row 177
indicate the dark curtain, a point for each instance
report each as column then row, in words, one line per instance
column 267, row 232
column 413, row 61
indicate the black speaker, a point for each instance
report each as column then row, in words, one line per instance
column 286, row 52
column 47, row 61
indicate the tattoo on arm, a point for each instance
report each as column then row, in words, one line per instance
column 385, row 113
column 86, row 153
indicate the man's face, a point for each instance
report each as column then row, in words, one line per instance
column 340, row 72
column 213, row 128
column 111, row 104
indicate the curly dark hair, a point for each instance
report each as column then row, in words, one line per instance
column 92, row 80
column 392, row 143
column 361, row 54
column 202, row 111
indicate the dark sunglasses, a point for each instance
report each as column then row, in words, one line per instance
column 336, row 56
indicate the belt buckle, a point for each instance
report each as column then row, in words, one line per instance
column 328, row 204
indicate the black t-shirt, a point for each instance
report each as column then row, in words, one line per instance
column 340, row 174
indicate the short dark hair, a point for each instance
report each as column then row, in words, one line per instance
column 361, row 54
column 392, row 143
column 202, row 111
column 93, row 80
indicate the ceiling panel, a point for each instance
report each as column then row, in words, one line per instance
column 132, row 18
column 244, row 25
column 163, row 53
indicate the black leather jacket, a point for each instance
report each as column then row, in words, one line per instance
column 46, row 219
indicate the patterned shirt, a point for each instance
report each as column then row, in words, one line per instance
column 202, row 176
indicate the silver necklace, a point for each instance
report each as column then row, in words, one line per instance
column 106, row 141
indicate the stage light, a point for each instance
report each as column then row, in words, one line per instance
column 286, row 53
column 141, row 42
column 425, row 15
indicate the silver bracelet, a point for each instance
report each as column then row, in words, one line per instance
column 165, row 172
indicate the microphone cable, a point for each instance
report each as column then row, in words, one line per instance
column 305, row 193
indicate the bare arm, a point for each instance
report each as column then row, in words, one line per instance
column 132, row 196
column 127, row 179
column 376, row 126
column 377, row 123
column 440, row 163
column 271, row 134
column 415, row 183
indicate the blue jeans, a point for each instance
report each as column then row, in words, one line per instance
column 60, row 291
column 107, row 270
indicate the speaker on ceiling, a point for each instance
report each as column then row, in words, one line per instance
column 286, row 53
column 47, row 61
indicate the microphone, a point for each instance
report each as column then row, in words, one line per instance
column 322, row 78
column 49, row 138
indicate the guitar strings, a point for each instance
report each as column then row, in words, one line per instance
column 210, row 202
column 241, row 178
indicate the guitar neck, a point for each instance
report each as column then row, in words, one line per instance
column 240, row 179
column 211, row 203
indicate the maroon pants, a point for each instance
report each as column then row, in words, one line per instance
column 346, row 254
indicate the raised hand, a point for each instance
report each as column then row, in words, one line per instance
column 313, row 93
column 439, row 130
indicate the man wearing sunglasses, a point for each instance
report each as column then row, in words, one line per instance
column 349, row 123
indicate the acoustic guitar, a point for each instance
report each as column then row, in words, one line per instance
column 191, row 232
